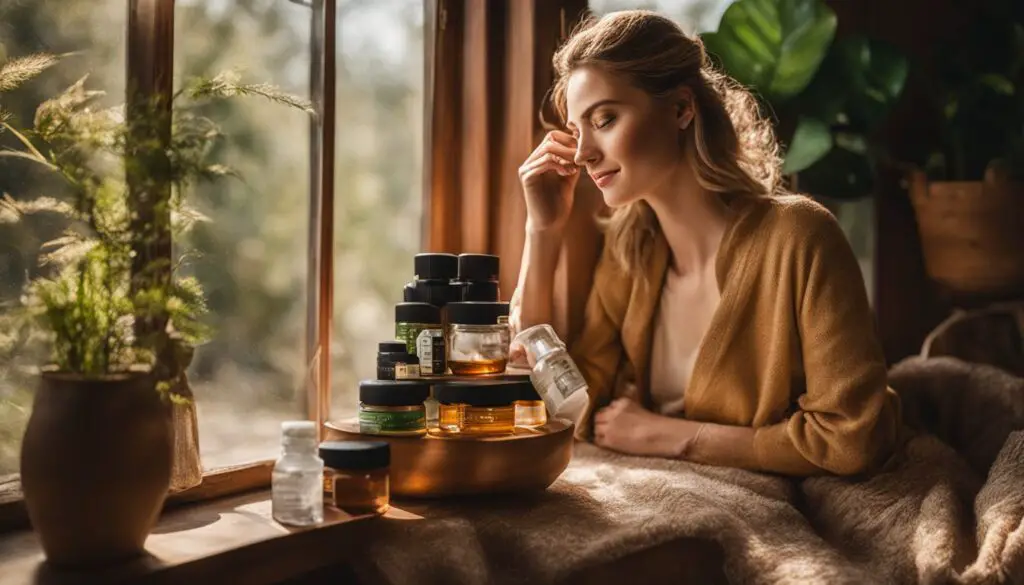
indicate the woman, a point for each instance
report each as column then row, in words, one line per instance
column 728, row 322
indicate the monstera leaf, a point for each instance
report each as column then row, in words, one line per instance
column 859, row 82
column 811, row 142
column 773, row 46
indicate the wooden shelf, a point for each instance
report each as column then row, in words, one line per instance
column 231, row 540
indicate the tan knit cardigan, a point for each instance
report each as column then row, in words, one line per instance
column 791, row 351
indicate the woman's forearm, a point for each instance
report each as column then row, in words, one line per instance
column 706, row 443
column 535, row 290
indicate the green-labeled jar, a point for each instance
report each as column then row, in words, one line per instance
column 419, row 326
column 390, row 407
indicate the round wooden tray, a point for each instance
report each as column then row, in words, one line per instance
column 428, row 466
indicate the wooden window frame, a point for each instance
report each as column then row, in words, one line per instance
column 149, row 73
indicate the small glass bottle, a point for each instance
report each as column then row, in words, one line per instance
column 478, row 342
column 392, row 407
column 477, row 409
column 554, row 374
column 356, row 475
column 297, row 479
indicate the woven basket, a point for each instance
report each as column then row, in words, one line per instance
column 972, row 235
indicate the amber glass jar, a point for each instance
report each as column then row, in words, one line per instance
column 478, row 338
column 356, row 475
column 392, row 407
column 530, row 409
column 477, row 409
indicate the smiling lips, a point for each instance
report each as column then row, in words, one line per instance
column 602, row 178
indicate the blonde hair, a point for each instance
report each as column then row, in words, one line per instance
column 735, row 153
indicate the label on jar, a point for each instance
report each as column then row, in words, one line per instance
column 399, row 421
column 566, row 375
column 407, row 371
column 430, row 350
column 409, row 332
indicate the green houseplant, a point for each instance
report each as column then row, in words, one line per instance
column 828, row 95
column 969, row 195
column 99, row 449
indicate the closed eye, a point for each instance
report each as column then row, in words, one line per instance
column 604, row 122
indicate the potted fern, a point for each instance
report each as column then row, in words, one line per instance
column 113, row 405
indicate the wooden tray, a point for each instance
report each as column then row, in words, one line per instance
column 428, row 466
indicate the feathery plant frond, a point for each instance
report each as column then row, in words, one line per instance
column 226, row 85
column 17, row 71
column 90, row 306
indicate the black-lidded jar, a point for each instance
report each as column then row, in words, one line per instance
column 392, row 407
column 478, row 277
column 436, row 266
column 435, row 274
column 470, row 408
column 356, row 475
column 394, row 361
column 420, row 326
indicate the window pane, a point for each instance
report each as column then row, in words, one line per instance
column 378, row 184
column 251, row 257
column 94, row 28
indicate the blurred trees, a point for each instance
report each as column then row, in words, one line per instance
column 252, row 256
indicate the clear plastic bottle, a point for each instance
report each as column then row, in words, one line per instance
column 554, row 374
column 298, row 478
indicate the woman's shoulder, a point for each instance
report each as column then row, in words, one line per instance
column 793, row 220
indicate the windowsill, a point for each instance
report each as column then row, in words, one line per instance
column 229, row 540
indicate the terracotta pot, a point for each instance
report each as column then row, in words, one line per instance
column 972, row 235
column 96, row 466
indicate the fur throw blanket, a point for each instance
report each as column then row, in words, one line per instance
column 947, row 510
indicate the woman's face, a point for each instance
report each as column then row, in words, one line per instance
column 629, row 142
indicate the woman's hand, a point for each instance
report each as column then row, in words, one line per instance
column 549, row 178
column 629, row 428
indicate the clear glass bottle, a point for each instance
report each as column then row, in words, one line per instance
column 554, row 374
column 478, row 340
column 297, row 479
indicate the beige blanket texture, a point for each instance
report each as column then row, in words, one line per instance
column 949, row 509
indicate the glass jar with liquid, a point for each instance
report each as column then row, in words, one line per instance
column 476, row 409
column 478, row 338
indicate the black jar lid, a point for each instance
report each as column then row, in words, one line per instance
column 355, row 454
column 476, row 313
column 392, row 347
column 417, row 313
column 393, row 392
column 478, row 267
column 527, row 391
column 483, row 393
column 437, row 292
column 479, row 291
column 431, row 266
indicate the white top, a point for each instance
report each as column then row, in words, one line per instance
column 684, row 312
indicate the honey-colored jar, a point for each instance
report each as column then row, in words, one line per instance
column 477, row 409
column 478, row 342
column 530, row 409
column 356, row 476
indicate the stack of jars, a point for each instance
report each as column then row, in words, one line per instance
column 445, row 373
